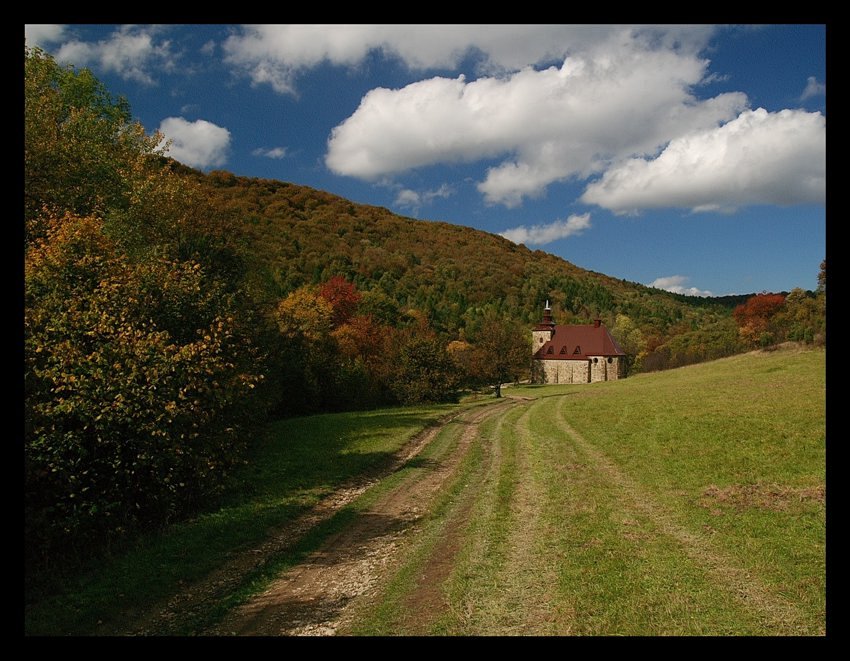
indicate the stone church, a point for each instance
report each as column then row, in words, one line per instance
column 575, row 353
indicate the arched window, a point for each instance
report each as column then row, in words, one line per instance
column 610, row 360
column 595, row 360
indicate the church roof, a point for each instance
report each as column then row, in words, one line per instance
column 579, row 342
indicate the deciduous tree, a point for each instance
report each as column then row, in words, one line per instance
column 343, row 297
column 756, row 319
column 502, row 353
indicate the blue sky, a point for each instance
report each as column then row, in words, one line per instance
column 691, row 158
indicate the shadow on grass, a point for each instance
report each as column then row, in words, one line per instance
column 294, row 464
column 320, row 452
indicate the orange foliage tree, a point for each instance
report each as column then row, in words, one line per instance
column 343, row 297
column 757, row 319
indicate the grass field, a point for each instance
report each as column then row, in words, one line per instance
column 687, row 502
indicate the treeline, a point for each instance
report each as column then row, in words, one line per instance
column 453, row 274
column 456, row 276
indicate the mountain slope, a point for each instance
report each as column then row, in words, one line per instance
column 452, row 274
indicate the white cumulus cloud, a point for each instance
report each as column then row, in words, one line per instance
column 538, row 235
column 407, row 197
column 274, row 152
column 132, row 52
column 813, row 88
column 548, row 125
column 199, row 144
column 676, row 284
column 275, row 54
column 758, row 158
column 42, row 34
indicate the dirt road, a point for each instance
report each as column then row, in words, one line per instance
column 500, row 520
column 315, row 597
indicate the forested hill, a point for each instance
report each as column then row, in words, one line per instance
column 452, row 274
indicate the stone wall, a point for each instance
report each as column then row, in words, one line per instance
column 608, row 368
column 597, row 368
column 538, row 337
column 616, row 368
column 562, row 371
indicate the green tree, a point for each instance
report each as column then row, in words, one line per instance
column 422, row 370
column 803, row 316
column 631, row 340
column 81, row 149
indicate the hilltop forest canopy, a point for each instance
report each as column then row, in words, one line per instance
column 169, row 312
column 457, row 277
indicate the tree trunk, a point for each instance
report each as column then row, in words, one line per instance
column 498, row 389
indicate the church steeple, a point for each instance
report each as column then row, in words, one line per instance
column 543, row 331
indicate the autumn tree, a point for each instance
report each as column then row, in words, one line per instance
column 501, row 353
column 135, row 384
column 305, row 315
column 140, row 346
column 462, row 354
column 343, row 297
column 757, row 318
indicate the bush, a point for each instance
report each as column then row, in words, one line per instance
column 134, row 378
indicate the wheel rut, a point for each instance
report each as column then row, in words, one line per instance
column 316, row 597
column 778, row 614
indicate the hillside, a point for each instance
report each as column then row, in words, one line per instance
column 452, row 273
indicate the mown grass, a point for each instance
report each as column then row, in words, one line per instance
column 293, row 466
column 690, row 504
column 697, row 437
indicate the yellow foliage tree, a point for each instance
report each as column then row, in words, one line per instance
column 304, row 314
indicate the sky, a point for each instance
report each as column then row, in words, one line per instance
column 688, row 158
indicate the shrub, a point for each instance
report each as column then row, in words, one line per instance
column 133, row 373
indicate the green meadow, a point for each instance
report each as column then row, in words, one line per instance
column 685, row 502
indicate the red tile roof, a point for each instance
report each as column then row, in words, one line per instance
column 579, row 342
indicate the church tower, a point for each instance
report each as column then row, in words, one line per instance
column 543, row 331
